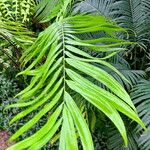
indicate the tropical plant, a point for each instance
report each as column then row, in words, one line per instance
column 132, row 15
column 17, row 10
column 8, row 89
column 141, row 98
column 59, row 65
column 74, row 55
column 14, row 36
column 138, row 139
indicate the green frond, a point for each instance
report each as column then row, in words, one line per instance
column 141, row 95
column 98, row 7
column 141, row 98
column 144, row 140
column 46, row 10
column 14, row 38
column 115, row 141
column 133, row 76
column 133, row 15
column 15, row 33
column 54, row 79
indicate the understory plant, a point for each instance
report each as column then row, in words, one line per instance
column 64, row 76
column 134, row 63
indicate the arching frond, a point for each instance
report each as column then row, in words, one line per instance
column 14, row 31
column 133, row 15
column 133, row 76
column 115, row 141
column 141, row 98
column 144, row 140
column 14, row 37
column 46, row 10
column 61, row 71
column 99, row 7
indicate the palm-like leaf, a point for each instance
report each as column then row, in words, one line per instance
column 115, row 141
column 133, row 15
column 141, row 98
column 14, row 37
column 63, row 71
column 49, row 9
column 99, row 7
column 144, row 140
column 133, row 76
column 15, row 32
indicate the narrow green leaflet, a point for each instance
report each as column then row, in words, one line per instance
column 103, row 77
column 102, row 105
column 119, row 104
column 68, row 138
column 80, row 123
column 39, row 134
column 39, row 115
column 35, row 106
column 38, row 145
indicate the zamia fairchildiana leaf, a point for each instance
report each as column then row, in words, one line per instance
column 59, row 66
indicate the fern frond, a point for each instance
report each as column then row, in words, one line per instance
column 46, row 10
column 141, row 95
